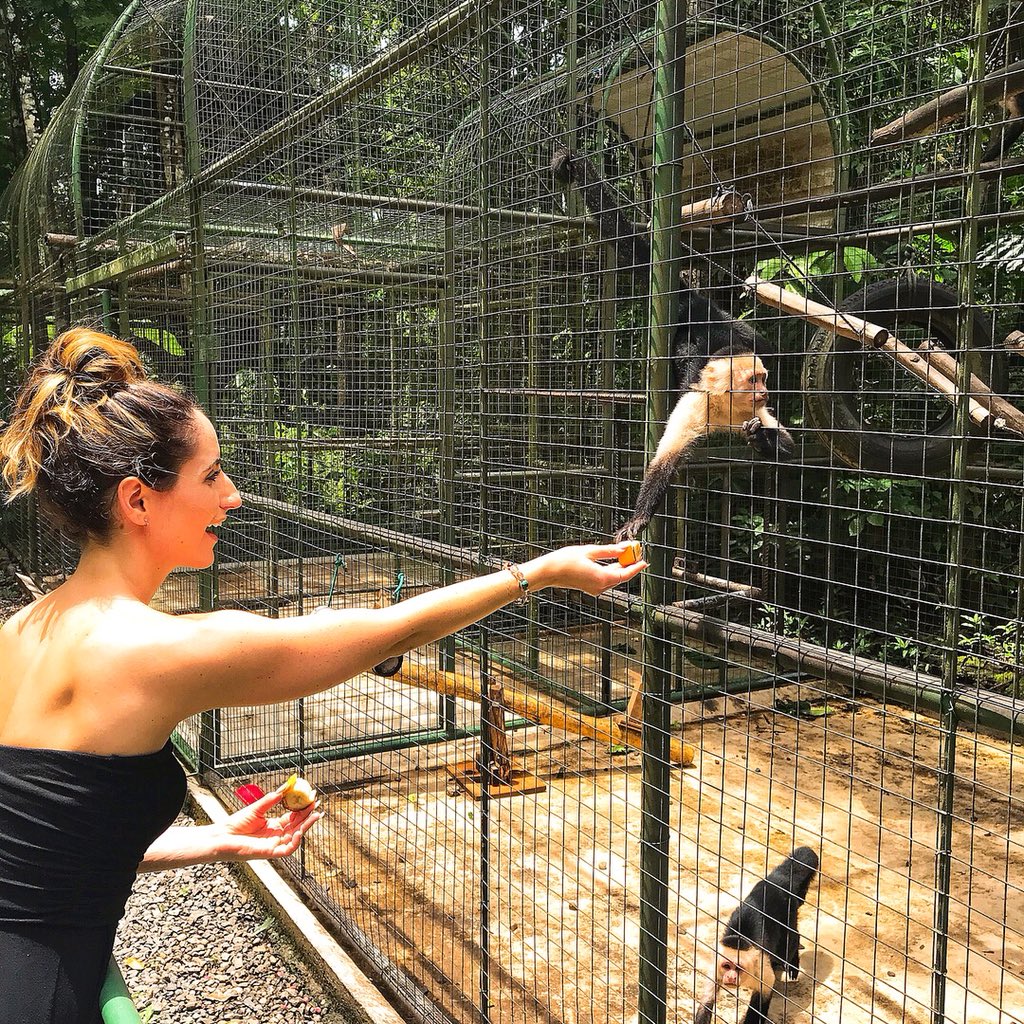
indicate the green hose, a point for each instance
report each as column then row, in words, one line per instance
column 116, row 1006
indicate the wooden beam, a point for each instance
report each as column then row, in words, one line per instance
column 868, row 334
column 949, row 106
column 542, row 710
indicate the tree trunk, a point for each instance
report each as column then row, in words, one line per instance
column 25, row 105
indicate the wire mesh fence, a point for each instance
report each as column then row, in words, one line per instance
column 364, row 236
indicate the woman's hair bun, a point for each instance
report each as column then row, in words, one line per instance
column 85, row 418
column 95, row 359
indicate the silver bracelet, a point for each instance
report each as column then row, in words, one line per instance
column 521, row 580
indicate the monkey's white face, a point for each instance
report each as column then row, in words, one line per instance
column 744, row 967
column 729, row 973
column 750, row 382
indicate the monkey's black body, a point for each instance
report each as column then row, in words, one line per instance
column 389, row 666
column 705, row 333
column 767, row 917
column 1008, row 131
column 766, row 920
column 705, row 330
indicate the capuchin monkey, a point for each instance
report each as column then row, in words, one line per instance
column 730, row 392
column 1008, row 131
column 761, row 940
column 716, row 366
column 1003, row 52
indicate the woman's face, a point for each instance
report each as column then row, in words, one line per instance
column 183, row 520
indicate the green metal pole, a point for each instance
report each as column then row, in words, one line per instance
column 609, row 449
column 664, row 312
column 199, row 333
column 948, row 715
column 116, row 1006
column 485, row 43
column 446, row 449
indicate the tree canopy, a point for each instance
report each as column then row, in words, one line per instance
column 43, row 44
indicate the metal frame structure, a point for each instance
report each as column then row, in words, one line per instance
column 338, row 227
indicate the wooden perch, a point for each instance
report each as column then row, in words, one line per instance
column 724, row 206
column 1014, row 341
column 868, row 334
column 930, row 116
column 1004, row 415
column 544, row 711
column 844, row 324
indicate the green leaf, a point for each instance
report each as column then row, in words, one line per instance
column 857, row 261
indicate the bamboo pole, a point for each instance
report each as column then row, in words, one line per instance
column 844, row 324
column 1004, row 415
column 868, row 334
column 543, row 711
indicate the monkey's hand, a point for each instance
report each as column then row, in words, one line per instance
column 389, row 666
column 632, row 529
column 771, row 442
column 561, row 165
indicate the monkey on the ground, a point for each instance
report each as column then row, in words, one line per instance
column 762, row 940
column 716, row 363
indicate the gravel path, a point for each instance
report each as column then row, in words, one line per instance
column 195, row 947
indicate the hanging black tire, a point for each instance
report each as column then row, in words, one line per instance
column 870, row 411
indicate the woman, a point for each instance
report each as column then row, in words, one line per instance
column 93, row 680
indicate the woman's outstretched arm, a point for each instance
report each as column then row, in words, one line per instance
column 235, row 658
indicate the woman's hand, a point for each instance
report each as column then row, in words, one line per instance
column 583, row 567
column 248, row 834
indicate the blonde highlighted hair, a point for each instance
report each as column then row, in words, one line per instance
column 86, row 417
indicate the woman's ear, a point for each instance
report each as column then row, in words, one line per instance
column 131, row 501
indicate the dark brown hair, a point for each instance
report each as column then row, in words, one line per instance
column 86, row 418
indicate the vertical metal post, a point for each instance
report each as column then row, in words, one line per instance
column 609, row 458
column 293, row 335
column 948, row 718
column 666, row 265
column 200, row 341
column 446, row 453
column 532, row 454
column 485, row 42
column 265, row 326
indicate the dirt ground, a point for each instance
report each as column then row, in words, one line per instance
column 400, row 850
column 400, row 854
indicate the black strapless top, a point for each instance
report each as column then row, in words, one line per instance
column 74, row 827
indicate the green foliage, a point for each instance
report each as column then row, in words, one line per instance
column 54, row 38
column 799, row 272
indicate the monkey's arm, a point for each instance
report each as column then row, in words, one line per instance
column 1003, row 138
column 632, row 245
column 768, row 437
column 704, row 1011
column 688, row 422
column 757, row 1010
